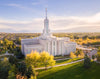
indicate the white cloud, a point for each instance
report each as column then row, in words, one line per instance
column 36, row 3
column 91, row 23
column 75, row 21
column 21, row 7
column 40, row 2
column 16, row 5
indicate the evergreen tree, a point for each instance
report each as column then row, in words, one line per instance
column 31, row 73
column 22, row 68
column 93, row 57
column 87, row 62
column 12, row 60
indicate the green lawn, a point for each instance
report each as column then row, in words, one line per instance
column 72, row 71
column 66, row 61
column 60, row 57
column 63, row 61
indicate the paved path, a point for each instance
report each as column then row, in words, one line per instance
column 6, row 54
column 59, row 65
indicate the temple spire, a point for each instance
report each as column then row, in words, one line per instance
column 46, row 30
column 46, row 12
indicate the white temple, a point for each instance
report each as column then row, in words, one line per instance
column 48, row 42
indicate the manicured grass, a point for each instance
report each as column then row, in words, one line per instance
column 66, row 61
column 72, row 71
column 60, row 57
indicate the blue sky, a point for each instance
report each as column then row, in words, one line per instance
column 70, row 14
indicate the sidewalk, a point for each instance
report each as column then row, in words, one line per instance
column 59, row 65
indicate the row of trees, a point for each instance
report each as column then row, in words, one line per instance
column 13, row 69
column 88, row 41
column 25, row 70
column 78, row 53
column 21, row 71
column 10, row 46
column 39, row 59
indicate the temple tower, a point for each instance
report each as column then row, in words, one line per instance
column 46, row 30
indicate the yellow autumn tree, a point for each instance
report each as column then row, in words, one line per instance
column 81, row 55
column 51, row 61
column 33, row 59
column 72, row 55
column 19, row 76
column 46, row 59
column 87, row 39
column 33, row 77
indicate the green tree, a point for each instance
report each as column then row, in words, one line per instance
column 12, row 72
column 87, row 62
column 98, row 57
column 19, row 40
column 12, row 60
column 22, row 68
column 29, row 72
column 93, row 57
column 11, row 75
column 4, row 68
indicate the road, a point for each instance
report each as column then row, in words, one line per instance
column 59, row 65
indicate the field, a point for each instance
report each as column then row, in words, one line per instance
column 72, row 71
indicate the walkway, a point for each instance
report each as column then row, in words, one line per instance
column 59, row 65
column 7, row 54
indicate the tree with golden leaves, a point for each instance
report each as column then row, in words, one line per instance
column 19, row 76
column 82, row 54
column 32, row 77
column 33, row 59
column 72, row 55
column 47, row 59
